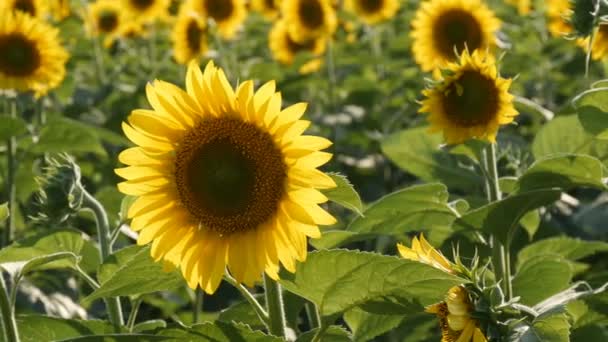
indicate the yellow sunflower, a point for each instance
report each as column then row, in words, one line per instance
column 228, row 15
column 423, row 252
column 35, row 8
column 373, row 11
column 470, row 101
column 442, row 28
column 557, row 13
column 284, row 49
column 32, row 57
column 60, row 9
column 270, row 9
column 309, row 19
column 146, row 10
column 599, row 46
column 223, row 178
column 189, row 37
column 105, row 18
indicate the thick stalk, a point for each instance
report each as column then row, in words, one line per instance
column 274, row 305
column 8, row 315
column 197, row 307
column 11, row 188
column 105, row 249
column 501, row 258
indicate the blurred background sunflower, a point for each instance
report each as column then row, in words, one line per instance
column 35, row 8
column 284, row 49
column 189, row 37
column 270, row 9
column 309, row 19
column 105, row 18
column 228, row 15
column 146, row 10
column 373, row 11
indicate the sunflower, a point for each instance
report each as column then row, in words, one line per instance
column 35, row 8
column 373, row 11
column 423, row 252
column 228, row 15
column 189, row 37
column 470, row 100
column 31, row 56
column 146, row 10
column 557, row 13
column 60, row 9
column 309, row 19
column 270, row 9
column 442, row 28
column 524, row 7
column 105, row 17
column 223, row 177
column 599, row 46
column 284, row 49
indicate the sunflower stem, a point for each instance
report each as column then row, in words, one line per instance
column 11, row 188
column 9, row 323
column 274, row 305
column 331, row 76
column 99, row 60
column 501, row 258
column 197, row 307
column 133, row 313
column 105, row 249
column 257, row 307
column 313, row 315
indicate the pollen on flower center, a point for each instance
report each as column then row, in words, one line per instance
column 471, row 100
column 311, row 13
column 19, row 57
column 219, row 9
column 455, row 30
column 230, row 175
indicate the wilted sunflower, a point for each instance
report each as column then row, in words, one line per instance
column 284, row 49
column 442, row 28
column 105, row 17
column 599, row 46
column 223, row 178
column 31, row 56
column 373, row 11
column 35, row 8
column 470, row 101
column 189, row 37
column 270, row 9
column 309, row 19
column 146, row 10
column 228, row 15
column 557, row 13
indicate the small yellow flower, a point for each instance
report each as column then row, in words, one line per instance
column 373, row 11
column 422, row 251
column 285, row 50
column 470, row 101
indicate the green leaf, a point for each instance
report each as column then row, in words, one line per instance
column 243, row 313
column 137, row 274
column 39, row 262
column 4, row 212
column 592, row 108
column 119, row 338
column 417, row 152
column 344, row 194
column 339, row 280
column 150, row 325
column 566, row 247
column 11, row 127
column 565, row 172
column 333, row 333
column 218, row 332
column 530, row 223
column 502, row 217
column 541, row 277
column 545, row 328
column 67, row 135
column 366, row 325
column 36, row 328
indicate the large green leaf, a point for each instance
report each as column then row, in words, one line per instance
column 136, row 274
column 119, row 338
column 344, row 194
column 417, row 152
column 218, row 332
column 10, row 127
column 540, row 277
column 67, row 135
column 564, row 172
column 36, row 328
column 367, row 325
column 339, row 280
column 552, row 327
column 592, row 108
column 502, row 217
column 566, row 247
column 333, row 333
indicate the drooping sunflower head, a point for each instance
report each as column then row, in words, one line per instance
column 455, row 317
column 146, row 10
column 284, row 49
column 373, row 11
column 270, row 9
column 228, row 15
column 189, row 37
column 34, row 8
column 422, row 251
column 558, row 12
column 442, row 29
column 599, row 46
column 309, row 19
column 31, row 56
column 470, row 101
column 223, row 178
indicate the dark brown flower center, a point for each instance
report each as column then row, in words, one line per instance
column 20, row 56
column 26, row 6
column 219, row 10
column 455, row 30
column 295, row 47
column 311, row 13
column 371, row 6
column 107, row 21
column 230, row 175
column 194, row 35
column 269, row 4
column 471, row 100
column 142, row 5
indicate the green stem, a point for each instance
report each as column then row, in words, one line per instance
column 99, row 64
column 523, row 103
column 11, row 188
column 313, row 315
column 501, row 258
column 274, row 305
column 197, row 307
column 257, row 307
column 133, row 314
column 105, row 249
column 8, row 314
column 331, row 76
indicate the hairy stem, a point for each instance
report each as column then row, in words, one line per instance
column 274, row 305
column 8, row 314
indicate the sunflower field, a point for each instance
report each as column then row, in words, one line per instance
column 304, row 170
